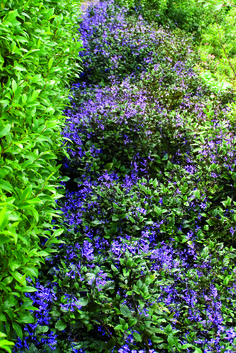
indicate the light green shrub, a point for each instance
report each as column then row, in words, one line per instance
column 218, row 48
column 38, row 53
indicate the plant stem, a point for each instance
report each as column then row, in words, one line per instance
column 146, row 342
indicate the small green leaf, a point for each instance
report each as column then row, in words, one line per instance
column 5, row 185
column 42, row 329
column 4, row 129
column 165, row 157
column 50, row 63
column 42, row 253
column 18, row 276
column 168, row 329
column 108, row 285
column 173, row 341
column 35, row 95
column 20, row 68
column 2, row 317
column 27, row 289
column 14, row 85
column 60, row 325
column 137, row 336
column 132, row 321
column 111, row 343
column 31, row 271
column 125, row 310
column 3, row 218
column 25, row 318
column 108, row 166
column 5, row 344
column 26, row 193
column 131, row 219
column 18, row 329
column 197, row 350
column 158, row 210
column 187, row 345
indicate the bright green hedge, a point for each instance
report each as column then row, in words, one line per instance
column 38, row 53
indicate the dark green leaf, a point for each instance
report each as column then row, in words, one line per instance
column 125, row 310
column 60, row 325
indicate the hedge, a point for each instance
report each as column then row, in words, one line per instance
column 39, row 50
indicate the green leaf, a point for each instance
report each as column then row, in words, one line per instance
column 25, row 318
column 187, row 345
column 3, row 218
column 118, row 328
column 165, row 157
column 137, row 336
column 26, row 193
column 27, row 289
column 2, row 317
column 197, row 350
column 18, row 276
column 5, row 344
column 155, row 183
column 42, row 329
column 18, row 329
column 132, row 321
column 31, row 271
column 9, row 301
column 157, row 330
column 125, row 310
column 168, row 329
column 83, row 301
column 50, row 63
column 111, row 343
column 131, row 219
column 173, row 341
column 14, row 85
column 108, row 166
column 4, row 129
column 108, row 285
column 35, row 95
column 60, row 325
column 5, row 185
column 169, row 165
column 96, row 222
column 43, row 253
column 20, row 68
column 158, row 210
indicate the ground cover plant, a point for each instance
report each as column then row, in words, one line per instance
column 149, row 220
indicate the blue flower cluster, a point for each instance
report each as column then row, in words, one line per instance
column 148, row 259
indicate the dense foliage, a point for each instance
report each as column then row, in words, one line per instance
column 217, row 49
column 193, row 16
column 211, row 24
column 149, row 220
column 37, row 61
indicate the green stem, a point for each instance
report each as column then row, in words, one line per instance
column 147, row 345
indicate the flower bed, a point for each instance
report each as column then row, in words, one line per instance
column 148, row 260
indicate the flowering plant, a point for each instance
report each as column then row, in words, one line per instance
column 148, row 260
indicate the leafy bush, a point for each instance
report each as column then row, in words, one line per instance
column 192, row 16
column 37, row 61
column 218, row 50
